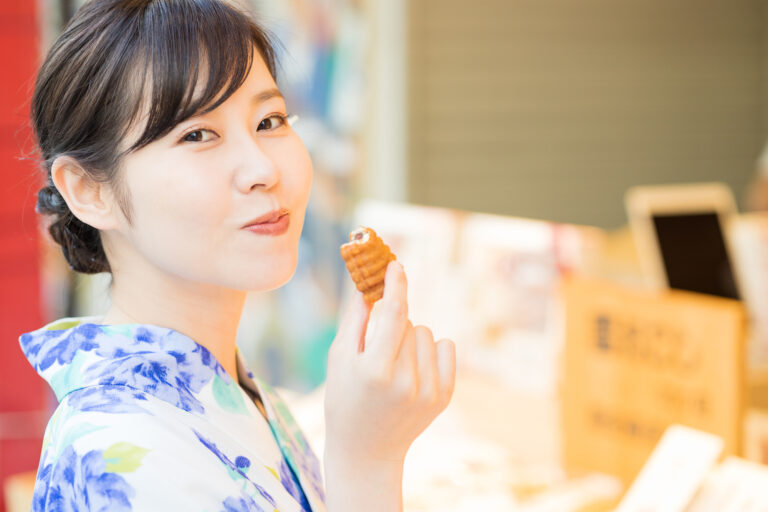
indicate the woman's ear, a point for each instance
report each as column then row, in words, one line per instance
column 92, row 202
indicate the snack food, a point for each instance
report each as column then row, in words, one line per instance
column 367, row 257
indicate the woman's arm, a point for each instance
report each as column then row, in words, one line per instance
column 381, row 393
column 352, row 486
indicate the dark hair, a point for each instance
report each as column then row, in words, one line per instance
column 116, row 61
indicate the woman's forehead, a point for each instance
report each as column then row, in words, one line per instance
column 257, row 82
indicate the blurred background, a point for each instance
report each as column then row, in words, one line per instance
column 491, row 144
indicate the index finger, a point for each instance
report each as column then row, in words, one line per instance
column 389, row 330
column 353, row 324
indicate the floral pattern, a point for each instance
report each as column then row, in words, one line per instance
column 141, row 405
column 81, row 482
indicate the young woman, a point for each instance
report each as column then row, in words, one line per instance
column 171, row 164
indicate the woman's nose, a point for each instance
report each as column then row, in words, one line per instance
column 256, row 168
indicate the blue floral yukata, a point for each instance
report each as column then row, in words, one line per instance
column 149, row 420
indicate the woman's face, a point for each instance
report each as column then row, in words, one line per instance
column 192, row 192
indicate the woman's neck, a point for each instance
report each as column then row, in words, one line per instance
column 208, row 315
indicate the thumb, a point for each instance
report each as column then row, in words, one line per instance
column 351, row 334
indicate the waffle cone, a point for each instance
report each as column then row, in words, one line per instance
column 367, row 256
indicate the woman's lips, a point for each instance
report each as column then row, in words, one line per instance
column 278, row 227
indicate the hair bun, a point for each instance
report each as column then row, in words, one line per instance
column 49, row 201
column 80, row 242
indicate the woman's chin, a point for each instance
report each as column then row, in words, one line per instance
column 261, row 280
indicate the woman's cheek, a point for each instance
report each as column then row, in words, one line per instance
column 304, row 169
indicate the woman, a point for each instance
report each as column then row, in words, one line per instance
column 171, row 164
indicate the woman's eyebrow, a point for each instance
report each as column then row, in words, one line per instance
column 266, row 95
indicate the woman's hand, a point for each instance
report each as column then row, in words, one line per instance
column 381, row 396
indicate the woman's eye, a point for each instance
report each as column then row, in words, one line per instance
column 200, row 135
column 272, row 122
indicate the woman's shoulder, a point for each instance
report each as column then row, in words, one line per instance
column 116, row 423
column 114, row 453
column 112, row 409
column 91, row 448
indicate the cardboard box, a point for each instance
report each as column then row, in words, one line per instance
column 756, row 436
column 636, row 362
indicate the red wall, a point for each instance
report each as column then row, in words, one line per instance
column 23, row 395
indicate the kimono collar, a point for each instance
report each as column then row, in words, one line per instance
column 75, row 353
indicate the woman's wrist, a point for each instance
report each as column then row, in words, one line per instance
column 358, row 484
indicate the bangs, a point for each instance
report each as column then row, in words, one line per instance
column 196, row 54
